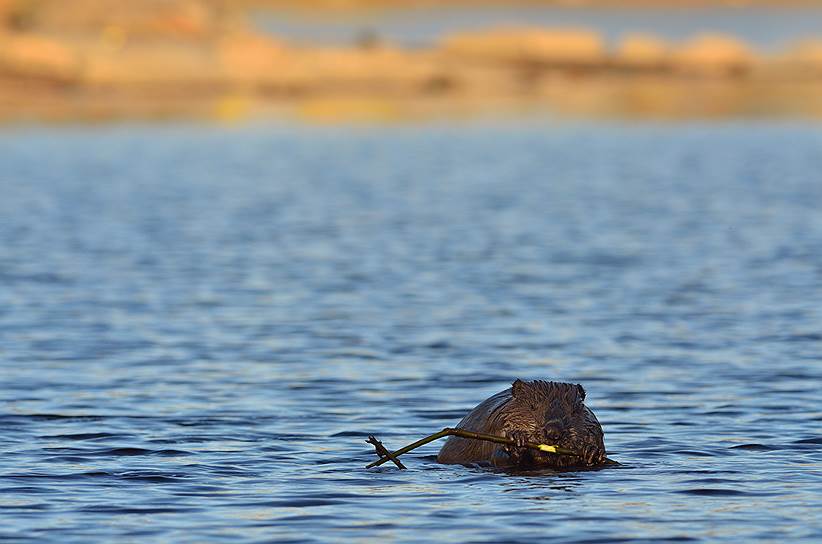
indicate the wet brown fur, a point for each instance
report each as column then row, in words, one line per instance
column 539, row 411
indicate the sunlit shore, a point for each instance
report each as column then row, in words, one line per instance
column 402, row 4
column 189, row 60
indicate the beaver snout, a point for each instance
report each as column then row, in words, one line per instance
column 577, row 431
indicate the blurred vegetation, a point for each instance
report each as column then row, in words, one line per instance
column 387, row 4
column 99, row 58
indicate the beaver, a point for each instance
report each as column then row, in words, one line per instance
column 539, row 411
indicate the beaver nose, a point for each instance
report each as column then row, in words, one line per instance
column 552, row 436
column 553, row 429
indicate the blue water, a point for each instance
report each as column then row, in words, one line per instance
column 765, row 28
column 199, row 326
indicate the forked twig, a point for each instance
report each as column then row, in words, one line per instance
column 383, row 453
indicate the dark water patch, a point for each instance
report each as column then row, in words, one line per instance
column 303, row 518
column 116, row 510
column 126, row 451
column 714, row 492
column 362, row 355
column 451, row 415
column 290, row 437
column 473, row 479
column 727, row 413
column 215, row 421
column 276, row 448
column 50, row 417
column 98, row 474
column 705, row 471
column 605, row 540
column 152, row 477
column 349, row 433
column 336, row 460
column 82, row 436
column 66, row 459
column 197, row 489
column 294, row 503
column 755, row 447
column 46, row 278
column 707, row 481
column 814, row 440
column 57, row 476
column 794, row 375
column 26, row 490
column 794, row 338
column 40, row 506
column 217, row 470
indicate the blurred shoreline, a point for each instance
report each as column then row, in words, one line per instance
column 199, row 58
column 404, row 4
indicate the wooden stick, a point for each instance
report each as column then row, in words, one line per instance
column 462, row 433
column 384, row 453
column 409, row 447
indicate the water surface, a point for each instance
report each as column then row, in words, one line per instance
column 201, row 325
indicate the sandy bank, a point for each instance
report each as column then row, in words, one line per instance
column 187, row 58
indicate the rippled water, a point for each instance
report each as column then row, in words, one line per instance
column 201, row 325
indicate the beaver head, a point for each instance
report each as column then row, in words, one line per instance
column 551, row 413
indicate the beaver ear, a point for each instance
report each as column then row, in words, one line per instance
column 518, row 388
column 581, row 391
